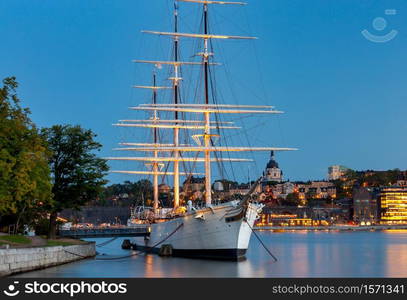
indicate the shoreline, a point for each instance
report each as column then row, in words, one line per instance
column 25, row 259
column 332, row 228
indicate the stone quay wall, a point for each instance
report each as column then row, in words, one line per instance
column 27, row 259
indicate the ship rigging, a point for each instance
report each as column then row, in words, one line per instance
column 221, row 231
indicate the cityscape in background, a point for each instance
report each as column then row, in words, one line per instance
column 149, row 139
column 345, row 197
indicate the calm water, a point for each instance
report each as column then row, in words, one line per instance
column 300, row 254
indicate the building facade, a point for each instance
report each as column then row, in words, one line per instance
column 365, row 206
column 384, row 205
column 336, row 172
column 273, row 173
column 193, row 184
column 316, row 189
column 290, row 216
column 393, row 205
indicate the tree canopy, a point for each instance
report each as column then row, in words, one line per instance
column 77, row 173
column 24, row 173
column 128, row 193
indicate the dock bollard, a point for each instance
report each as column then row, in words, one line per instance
column 165, row 250
column 126, row 245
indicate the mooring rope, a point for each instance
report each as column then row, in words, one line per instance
column 261, row 242
column 106, row 242
column 99, row 245
column 145, row 251
column 168, row 236
column 118, row 257
column 80, row 255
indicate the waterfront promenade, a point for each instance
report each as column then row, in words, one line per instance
column 335, row 227
column 301, row 253
column 24, row 259
column 124, row 231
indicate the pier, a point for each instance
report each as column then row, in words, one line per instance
column 106, row 232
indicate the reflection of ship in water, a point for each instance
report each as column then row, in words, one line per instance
column 189, row 228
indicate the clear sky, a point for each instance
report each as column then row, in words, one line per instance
column 344, row 95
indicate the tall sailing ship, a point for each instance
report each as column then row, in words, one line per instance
column 213, row 230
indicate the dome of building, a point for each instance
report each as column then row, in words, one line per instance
column 272, row 163
column 272, row 172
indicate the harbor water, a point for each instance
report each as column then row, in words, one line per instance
column 299, row 254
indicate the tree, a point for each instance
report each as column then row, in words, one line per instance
column 292, row 199
column 136, row 192
column 25, row 184
column 77, row 173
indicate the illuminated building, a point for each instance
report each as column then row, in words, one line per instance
column 290, row 216
column 318, row 189
column 365, row 206
column 193, row 184
column 288, row 220
column 273, row 173
column 401, row 182
column 393, row 205
column 336, row 172
column 241, row 189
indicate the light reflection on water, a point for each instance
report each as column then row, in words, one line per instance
column 300, row 254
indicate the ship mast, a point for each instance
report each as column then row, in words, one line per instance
column 155, row 164
column 175, row 80
column 206, row 109
column 207, row 137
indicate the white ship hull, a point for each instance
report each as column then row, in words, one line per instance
column 221, row 232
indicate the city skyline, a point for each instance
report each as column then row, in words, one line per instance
column 342, row 94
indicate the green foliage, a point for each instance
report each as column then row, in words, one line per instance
column 77, row 173
column 292, row 199
column 373, row 178
column 369, row 178
column 52, row 243
column 135, row 192
column 384, row 178
column 25, row 185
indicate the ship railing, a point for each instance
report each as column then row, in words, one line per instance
column 147, row 213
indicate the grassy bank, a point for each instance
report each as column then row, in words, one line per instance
column 20, row 241
column 14, row 239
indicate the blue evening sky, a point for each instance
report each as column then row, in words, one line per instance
column 344, row 96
